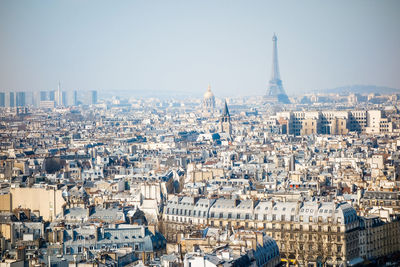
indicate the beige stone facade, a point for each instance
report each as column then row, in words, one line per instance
column 335, row 122
column 48, row 202
column 306, row 232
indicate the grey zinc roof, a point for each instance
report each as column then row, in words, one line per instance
column 86, row 236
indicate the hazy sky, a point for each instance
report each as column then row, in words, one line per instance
column 184, row 45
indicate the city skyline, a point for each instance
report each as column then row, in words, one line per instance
column 199, row 133
column 182, row 46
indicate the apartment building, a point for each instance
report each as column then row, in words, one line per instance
column 307, row 232
column 335, row 122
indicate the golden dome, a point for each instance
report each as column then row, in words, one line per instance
column 208, row 94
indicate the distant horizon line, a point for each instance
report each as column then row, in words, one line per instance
column 344, row 89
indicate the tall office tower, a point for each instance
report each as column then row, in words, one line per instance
column 58, row 99
column 52, row 95
column 64, row 99
column 30, row 98
column 20, row 99
column 36, row 98
column 93, row 97
column 225, row 120
column 10, row 99
column 43, row 96
column 75, row 98
column 2, row 99
column 275, row 92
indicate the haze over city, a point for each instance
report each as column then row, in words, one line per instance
column 181, row 46
column 199, row 133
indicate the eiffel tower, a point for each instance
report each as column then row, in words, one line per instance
column 275, row 92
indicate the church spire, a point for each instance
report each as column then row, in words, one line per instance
column 225, row 121
column 225, row 112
